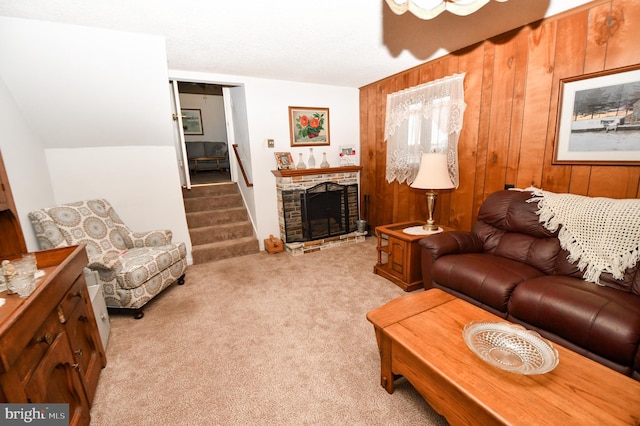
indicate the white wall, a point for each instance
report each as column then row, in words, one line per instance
column 212, row 110
column 268, row 115
column 25, row 161
column 97, row 120
column 238, row 134
column 117, row 141
column 267, row 103
column 137, row 197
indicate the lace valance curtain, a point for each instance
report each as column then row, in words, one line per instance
column 425, row 118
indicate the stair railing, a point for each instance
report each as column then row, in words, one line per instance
column 244, row 174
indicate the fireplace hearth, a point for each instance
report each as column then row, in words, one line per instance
column 324, row 210
column 318, row 208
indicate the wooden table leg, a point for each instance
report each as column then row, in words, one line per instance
column 386, row 375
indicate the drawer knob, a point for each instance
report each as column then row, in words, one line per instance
column 47, row 338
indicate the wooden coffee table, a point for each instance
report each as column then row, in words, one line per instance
column 199, row 159
column 420, row 338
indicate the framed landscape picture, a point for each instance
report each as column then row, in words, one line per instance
column 599, row 118
column 309, row 126
column 192, row 122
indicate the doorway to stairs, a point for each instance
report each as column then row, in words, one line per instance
column 203, row 133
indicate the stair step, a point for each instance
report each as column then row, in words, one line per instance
column 210, row 190
column 218, row 223
column 224, row 249
column 216, row 233
column 212, row 203
column 218, row 217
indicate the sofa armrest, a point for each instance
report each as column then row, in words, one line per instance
column 437, row 245
column 452, row 242
column 154, row 238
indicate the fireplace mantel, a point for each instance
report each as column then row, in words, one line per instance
column 315, row 171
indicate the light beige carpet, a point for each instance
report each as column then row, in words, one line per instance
column 259, row 340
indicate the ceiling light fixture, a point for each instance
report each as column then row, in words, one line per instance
column 428, row 9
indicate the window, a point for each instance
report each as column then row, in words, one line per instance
column 425, row 118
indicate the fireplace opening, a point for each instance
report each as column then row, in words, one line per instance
column 325, row 210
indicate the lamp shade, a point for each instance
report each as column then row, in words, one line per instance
column 433, row 172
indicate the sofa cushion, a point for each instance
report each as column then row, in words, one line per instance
column 195, row 150
column 215, row 149
column 484, row 277
column 600, row 319
column 509, row 211
column 508, row 226
column 201, row 149
column 630, row 281
column 541, row 253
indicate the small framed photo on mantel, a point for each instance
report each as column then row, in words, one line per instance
column 347, row 155
column 309, row 126
column 285, row 160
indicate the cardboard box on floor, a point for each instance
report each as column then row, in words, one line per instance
column 273, row 245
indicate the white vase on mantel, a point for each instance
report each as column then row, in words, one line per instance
column 312, row 159
column 301, row 164
column 325, row 164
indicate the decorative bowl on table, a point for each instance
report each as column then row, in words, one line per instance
column 511, row 347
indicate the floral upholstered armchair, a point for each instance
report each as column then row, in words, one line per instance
column 133, row 267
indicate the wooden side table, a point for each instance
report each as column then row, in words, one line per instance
column 399, row 255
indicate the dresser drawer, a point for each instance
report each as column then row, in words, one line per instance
column 74, row 296
column 37, row 347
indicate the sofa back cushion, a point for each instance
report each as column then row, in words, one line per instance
column 509, row 211
column 201, row 149
column 630, row 282
column 509, row 227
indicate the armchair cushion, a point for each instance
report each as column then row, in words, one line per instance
column 133, row 267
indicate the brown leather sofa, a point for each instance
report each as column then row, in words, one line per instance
column 510, row 265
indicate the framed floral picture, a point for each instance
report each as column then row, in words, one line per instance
column 309, row 126
column 285, row 160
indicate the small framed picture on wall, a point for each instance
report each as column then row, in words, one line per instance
column 192, row 122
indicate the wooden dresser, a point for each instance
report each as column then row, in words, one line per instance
column 51, row 347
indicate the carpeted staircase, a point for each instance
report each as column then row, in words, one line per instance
column 218, row 223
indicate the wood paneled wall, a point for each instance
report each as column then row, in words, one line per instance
column 511, row 91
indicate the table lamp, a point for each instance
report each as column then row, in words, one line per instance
column 433, row 174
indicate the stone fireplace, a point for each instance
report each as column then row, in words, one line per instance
column 318, row 208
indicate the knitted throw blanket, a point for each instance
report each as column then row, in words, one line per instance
column 601, row 234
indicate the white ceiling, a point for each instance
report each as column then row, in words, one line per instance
column 336, row 42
